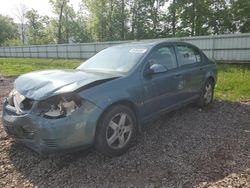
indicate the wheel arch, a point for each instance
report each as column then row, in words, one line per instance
column 211, row 75
column 212, row 79
column 124, row 102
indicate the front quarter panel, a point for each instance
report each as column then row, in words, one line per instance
column 126, row 88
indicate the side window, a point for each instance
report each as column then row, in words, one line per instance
column 187, row 55
column 164, row 56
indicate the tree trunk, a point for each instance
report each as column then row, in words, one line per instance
column 154, row 14
column 103, row 25
column 174, row 18
column 67, row 28
column 59, row 38
column 23, row 33
column 193, row 19
column 134, row 20
column 123, row 21
column 110, row 20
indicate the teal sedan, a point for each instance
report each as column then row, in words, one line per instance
column 107, row 99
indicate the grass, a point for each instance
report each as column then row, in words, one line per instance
column 233, row 82
column 233, row 79
column 17, row 66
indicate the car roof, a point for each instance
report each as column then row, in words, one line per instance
column 151, row 43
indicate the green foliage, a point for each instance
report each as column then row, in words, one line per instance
column 241, row 13
column 38, row 32
column 80, row 31
column 8, row 30
column 17, row 66
column 220, row 18
column 65, row 21
column 13, row 42
column 107, row 20
column 144, row 19
column 196, row 18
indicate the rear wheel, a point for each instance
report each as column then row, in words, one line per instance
column 207, row 94
column 115, row 131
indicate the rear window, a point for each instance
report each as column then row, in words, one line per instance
column 188, row 55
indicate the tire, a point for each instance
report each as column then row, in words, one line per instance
column 115, row 131
column 207, row 94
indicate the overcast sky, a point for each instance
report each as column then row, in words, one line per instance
column 9, row 7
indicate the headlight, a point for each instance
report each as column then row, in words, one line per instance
column 20, row 102
column 59, row 106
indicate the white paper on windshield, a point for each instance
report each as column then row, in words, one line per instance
column 138, row 50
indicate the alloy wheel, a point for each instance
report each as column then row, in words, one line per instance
column 119, row 130
column 208, row 93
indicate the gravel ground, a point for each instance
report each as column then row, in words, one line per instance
column 190, row 147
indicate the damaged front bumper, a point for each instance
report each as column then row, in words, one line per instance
column 51, row 135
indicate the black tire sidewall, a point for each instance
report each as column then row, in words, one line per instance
column 100, row 136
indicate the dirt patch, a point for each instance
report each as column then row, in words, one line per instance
column 186, row 148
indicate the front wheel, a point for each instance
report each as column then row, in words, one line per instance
column 207, row 95
column 115, row 131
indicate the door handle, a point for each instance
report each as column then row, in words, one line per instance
column 201, row 69
column 178, row 76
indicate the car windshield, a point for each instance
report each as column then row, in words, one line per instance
column 114, row 59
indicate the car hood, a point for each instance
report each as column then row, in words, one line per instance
column 40, row 85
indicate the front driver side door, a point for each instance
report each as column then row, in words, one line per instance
column 167, row 85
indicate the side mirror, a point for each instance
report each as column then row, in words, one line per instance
column 155, row 68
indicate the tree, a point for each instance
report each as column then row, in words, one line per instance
column 8, row 30
column 171, row 16
column 220, row 18
column 97, row 22
column 107, row 19
column 194, row 17
column 123, row 19
column 241, row 13
column 119, row 20
column 80, row 32
column 21, row 16
column 38, row 28
column 48, row 30
column 34, row 26
column 154, row 17
column 142, row 17
column 65, row 20
column 58, row 9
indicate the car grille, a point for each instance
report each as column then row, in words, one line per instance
column 22, row 132
column 12, row 132
column 52, row 143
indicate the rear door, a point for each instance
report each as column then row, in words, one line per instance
column 191, row 66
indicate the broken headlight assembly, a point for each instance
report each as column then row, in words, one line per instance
column 20, row 102
column 59, row 106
